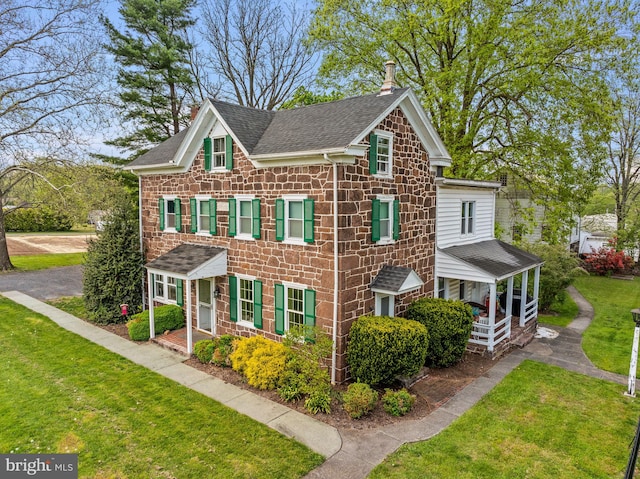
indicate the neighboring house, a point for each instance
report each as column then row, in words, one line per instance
column 471, row 265
column 256, row 221
column 593, row 232
column 518, row 216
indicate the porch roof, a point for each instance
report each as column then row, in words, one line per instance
column 396, row 280
column 493, row 258
column 191, row 261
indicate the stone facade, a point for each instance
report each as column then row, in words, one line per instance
column 311, row 264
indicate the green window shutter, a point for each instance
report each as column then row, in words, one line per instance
column 193, row 204
column 228, row 161
column 279, row 288
column 255, row 212
column 161, row 213
column 375, row 220
column 257, row 304
column 213, row 216
column 396, row 219
column 179, row 292
column 233, row 298
column 373, row 154
column 308, row 221
column 232, row 216
column 309, row 311
column 279, row 219
column 207, row 154
column 178, row 215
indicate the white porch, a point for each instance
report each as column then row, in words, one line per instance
column 473, row 273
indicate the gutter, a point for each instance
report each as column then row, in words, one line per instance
column 144, row 296
column 334, row 352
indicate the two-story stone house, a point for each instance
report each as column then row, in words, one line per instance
column 256, row 221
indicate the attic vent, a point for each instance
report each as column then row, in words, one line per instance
column 389, row 83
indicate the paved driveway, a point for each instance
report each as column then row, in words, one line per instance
column 45, row 284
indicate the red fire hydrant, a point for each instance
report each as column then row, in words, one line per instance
column 124, row 309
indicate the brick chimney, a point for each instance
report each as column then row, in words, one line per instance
column 194, row 111
column 389, row 83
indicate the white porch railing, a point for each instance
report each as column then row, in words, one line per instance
column 530, row 312
column 488, row 335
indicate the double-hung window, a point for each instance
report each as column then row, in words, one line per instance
column 244, row 217
column 245, row 297
column 167, row 289
column 218, row 153
column 203, row 215
column 381, row 154
column 169, row 213
column 294, row 219
column 385, row 219
column 467, row 224
column 295, row 306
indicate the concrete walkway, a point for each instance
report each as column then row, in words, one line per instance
column 351, row 453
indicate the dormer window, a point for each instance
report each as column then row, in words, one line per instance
column 381, row 154
column 218, row 153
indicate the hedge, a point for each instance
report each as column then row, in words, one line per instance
column 449, row 323
column 37, row 220
column 165, row 318
column 381, row 348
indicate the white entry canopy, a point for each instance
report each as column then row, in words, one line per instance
column 191, row 261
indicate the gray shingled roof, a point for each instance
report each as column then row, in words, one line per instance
column 184, row 258
column 310, row 128
column 495, row 257
column 162, row 153
column 391, row 278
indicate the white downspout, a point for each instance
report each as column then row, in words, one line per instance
column 334, row 352
column 144, row 296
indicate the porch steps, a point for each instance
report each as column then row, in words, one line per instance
column 522, row 340
column 163, row 342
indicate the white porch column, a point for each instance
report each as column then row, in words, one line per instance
column 536, row 287
column 509, row 303
column 189, row 323
column 523, row 297
column 492, row 315
column 152, row 324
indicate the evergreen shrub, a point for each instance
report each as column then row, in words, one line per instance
column 165, row 318
column 449, row 323
column 243, row 350
column 397, row 403
column 203, row 350
column 359, row 400
column 37, row 220
column 223, row 349
column 382, row 348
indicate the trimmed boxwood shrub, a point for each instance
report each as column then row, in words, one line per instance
column 397, row 403
column 203, row 350
column 449, row 323
column 165, row 318
column 382, row 348
column 359, row 400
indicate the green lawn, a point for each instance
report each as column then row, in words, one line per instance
column 564, row 313
column 44, row 261
column 608, row 340
column 62, row 393
column 539, row 422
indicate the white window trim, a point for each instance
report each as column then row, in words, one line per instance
column 244, row 236
column 200, row 231
column 165, row 289
column 378, row 303
column 287, row 238
column 387, row 239
column 445, row 290
column 218, row 169
column 389, row 136
column 166, row 199
column 241, row 322
column 288, row 286
column 464, row 207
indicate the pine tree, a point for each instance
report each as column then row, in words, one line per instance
column 155, row 77
column 114, row 267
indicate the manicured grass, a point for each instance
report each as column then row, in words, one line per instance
column 44, row 261
column 541, row 421
column 564, row 313
column 608, row 340
column 71, row 304
column 62, row 393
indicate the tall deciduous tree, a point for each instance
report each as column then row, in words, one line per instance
column 510, row 85
column 155, row 75
column 50, row 77
column 256, row 49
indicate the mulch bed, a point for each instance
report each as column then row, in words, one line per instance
column 434, row 390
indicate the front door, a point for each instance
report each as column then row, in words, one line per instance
column 206, row 311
